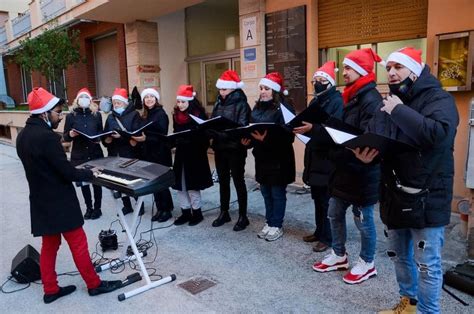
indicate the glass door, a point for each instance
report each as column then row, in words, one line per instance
column 212, row 70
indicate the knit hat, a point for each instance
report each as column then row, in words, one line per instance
column 408, row 57
column 150, row 91
column 274, row 80
column 120, row 94
column 362, row 60
column 40, row 100
column 185, row 93
column 229, row 80
column 328, row 71
column 84, row 91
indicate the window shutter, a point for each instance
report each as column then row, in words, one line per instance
column 350, row 22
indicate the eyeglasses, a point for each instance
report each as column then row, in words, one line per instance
column 60, row 113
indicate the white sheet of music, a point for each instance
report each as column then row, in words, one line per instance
column 287, row 114
column 197, row 119
column 339, row 137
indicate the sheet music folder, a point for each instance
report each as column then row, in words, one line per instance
column 92, row 137
column 245, row 131
column 381, row 143
column 312, row 114
column 218, row 123
column 128, row 134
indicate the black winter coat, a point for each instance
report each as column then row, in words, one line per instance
column 427, row 120
column 85, row 121
column 274, row 157
column 154, row 149
column 235, row 108
column 352, row 180
column 191, row 155
column 131, row 121
column 317, row 166
column 54, row 206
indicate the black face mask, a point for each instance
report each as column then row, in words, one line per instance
column 320, row 87
column 401, row 89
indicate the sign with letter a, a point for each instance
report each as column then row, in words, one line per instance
column 249, row 31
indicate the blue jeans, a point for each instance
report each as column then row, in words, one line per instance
column 416, row 254
column 274, row 197
column 364, row 220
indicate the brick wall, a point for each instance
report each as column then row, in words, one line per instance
column 14, row 80
column 79, row 75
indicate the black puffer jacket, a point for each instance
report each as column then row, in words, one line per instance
column 317, row 165
column 274, row 157
column 428, row 121
column 87, row 122
column 352, row 180
column 154, row 149
column 235, row 108
column 131, row 121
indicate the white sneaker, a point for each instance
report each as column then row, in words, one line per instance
column 262, row 234
column 331, row 262
column 360, row 272
column 274, row 233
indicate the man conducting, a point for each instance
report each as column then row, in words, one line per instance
column 54, row 206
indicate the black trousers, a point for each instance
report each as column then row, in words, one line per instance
column 320, row 196
column 86, row 192
column 163, row 200
column 232, row 163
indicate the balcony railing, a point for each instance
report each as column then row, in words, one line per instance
column 21, row 24
column 3, row 36
column 52, row 8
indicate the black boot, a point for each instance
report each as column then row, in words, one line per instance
column 96, row 213
column 222, row 219
column 196, row 217
column 48, row 298
column 88, row 213
column 127, row 210
column 184, row 218
column 242, row 223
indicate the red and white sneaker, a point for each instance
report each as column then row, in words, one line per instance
column 360, row 272
column 331, row 262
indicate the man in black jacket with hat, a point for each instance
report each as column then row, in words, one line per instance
column 417, row 186
column 54, row 206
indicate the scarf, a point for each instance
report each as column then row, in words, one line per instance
column 351, row 90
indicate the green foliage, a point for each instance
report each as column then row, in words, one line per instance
column 49, row 53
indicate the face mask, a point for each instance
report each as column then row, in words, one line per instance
column 320, row 87
column 401, row 89
column 47, row 121
column 84, row 102
column 120, row 110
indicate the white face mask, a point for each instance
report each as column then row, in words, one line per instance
column 84, row 102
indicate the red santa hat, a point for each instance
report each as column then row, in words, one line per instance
column 120, row 94
column 229, row 80
column 408, row 57
column 185, row 93
column 328, row 71
column 84, row 91
column 274, row 80
column 150, row 91
column 362, row 60
column 40, row 100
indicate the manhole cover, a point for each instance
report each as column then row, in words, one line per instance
column 197, row 285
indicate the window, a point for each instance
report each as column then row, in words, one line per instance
column 383, row 50
column 26, row 84
column 58, row 85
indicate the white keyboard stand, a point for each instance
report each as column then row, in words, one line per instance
column 137, row 255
